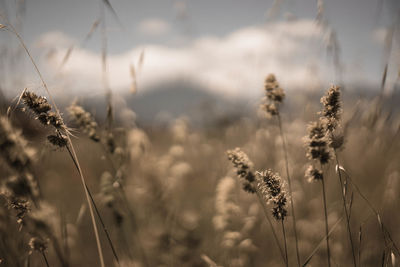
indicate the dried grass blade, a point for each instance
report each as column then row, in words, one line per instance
column 321, row 242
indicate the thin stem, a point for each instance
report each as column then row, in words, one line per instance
column 98, row 214
column 45, row 259
column 135, row 228
column 359, row 245
column 290, row 189
column 64, row 236
column 384, row 230
column 320, row 242
column 74, row 159
column 131, row 215
column 326, row 223
column 58, row 250
column 345, row 209
column 103, row 226
column 264, row 208
column 284, row 239
column 13, row 30
column 105, row 80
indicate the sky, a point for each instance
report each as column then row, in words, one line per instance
column 227, row 47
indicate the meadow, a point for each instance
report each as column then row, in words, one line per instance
column 302, row 178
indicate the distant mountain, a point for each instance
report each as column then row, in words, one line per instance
column 169, row 101
column 165, row 102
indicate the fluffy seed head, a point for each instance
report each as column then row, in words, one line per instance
column 41, row 108
column 313, row 174
column 84, row 120
column 274, row 95
column 59, row 140
column 38, row 104
column 271, row 187
column 272, row 89
column 14, row 148
column 20, row 206
column 317, row 142
column 332, row 107
column 225, row 205
column 243, row 167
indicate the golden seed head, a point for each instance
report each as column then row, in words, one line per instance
column 317, row 142
column 14, row 148
column 274, row 95
column 42, row 109
column 313, row 174
column 84, row 120
column 271, row 186
column 243, row 167
column 332, row 107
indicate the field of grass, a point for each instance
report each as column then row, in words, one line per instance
column 305, row 178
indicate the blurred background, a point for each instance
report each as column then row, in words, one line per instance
column 169, row 87
column 205, row 52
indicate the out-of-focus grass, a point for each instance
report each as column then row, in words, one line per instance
column 170, row 176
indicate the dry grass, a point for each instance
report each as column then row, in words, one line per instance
column 156, row 191
column 189, row 196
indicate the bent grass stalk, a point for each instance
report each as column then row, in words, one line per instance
column 290, row 187
column 385, row 232
column 321, row 242
column 345, row 208
column 73, row 153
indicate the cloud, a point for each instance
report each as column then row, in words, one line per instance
column 55, row 39
column 154, row 26
column 234, row 65
column 379, row 35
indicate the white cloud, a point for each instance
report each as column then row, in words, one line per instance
column 234, row 65
column 55, row 39
column 154, row 26
column 379, row 35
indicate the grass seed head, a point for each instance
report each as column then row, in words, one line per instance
column 59, row 140
column 84, row 120
column 332, row 107
column 313, row 174
column 274, row 95
column 14, row 148
column 42, row 109
column 317, row 142
column 20, row 206
column 271, row 186
column 38, row 104
column 243, row 167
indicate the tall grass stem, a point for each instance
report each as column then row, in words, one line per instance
column 326, row 222
column 264, row 208
column 290, row 188
column 21, row 41
column 345, row 208
column 284, row 240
